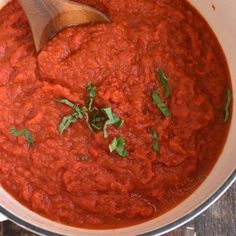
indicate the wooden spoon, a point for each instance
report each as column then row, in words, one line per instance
column 48, row 17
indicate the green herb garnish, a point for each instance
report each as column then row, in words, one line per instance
column 161, row 105
column 164, row 81
column 97, row 119
column 91, row 96
column 79, row 113
column 67, row 121
column 156, row 143
column 118, row 145
column 113, row 119
column 227, row 105
column 24, row 132
column 75, row 107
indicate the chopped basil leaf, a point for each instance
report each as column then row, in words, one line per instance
column 25, row 132
column 97, row 121
column 227, row 105
column 93, row 116
column 96, row 127
column 118, row 123
column 113, row 119
column 105, row 132
column 67, row 121
column 118, row 145
column 113, row 145
column 120, row 148
column 92, row 94
column 92, row 90
column 156, row 143
column 110, row 114
column 161, row 105
column 73, row 106
column 164, row 81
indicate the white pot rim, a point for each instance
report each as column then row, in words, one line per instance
column 160, row 231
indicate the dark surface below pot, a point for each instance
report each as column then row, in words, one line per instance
column 218, row 220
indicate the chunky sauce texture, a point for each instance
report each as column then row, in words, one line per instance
column 105, row 190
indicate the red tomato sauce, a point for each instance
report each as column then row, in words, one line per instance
column 105, row 190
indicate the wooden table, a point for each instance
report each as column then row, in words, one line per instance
column 218, row 220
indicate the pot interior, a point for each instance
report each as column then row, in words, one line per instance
column 223, row 22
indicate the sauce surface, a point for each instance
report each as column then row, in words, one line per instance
column 104, row 190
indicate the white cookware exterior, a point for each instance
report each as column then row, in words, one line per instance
column 223, row 22
column 2, row 217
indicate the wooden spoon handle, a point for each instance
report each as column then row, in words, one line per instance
column 39, row 14
column 47, row 17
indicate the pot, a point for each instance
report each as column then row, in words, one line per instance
column 222, row 19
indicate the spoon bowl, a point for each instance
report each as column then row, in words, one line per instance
column 48, row 17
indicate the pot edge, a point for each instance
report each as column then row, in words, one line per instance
column 165, row 229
